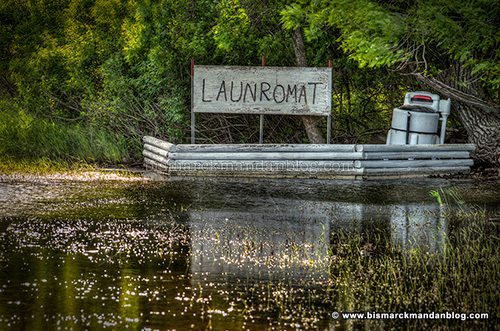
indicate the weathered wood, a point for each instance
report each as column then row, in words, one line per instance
column 307, row 161
column 156, row 150
column 265, row 156
column 260, row 165
column 157, row 142
column 235, row 148
column 265, row 172
column 410, row 171
column 268, row 174
column 155, row 164
column 415, row 148
column 415, row 155
column 414, row 163
column 155, row 157
column 262, row 90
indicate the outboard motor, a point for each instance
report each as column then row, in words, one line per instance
column 416, row 121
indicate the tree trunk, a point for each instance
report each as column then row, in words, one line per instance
column 480, row 119
column 483, row 129
column 310, row 122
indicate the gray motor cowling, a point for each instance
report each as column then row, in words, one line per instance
column 417, row 121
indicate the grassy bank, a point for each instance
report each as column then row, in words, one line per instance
column 41, row 166
column 26, row 137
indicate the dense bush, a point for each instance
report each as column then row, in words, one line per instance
column 91, row 77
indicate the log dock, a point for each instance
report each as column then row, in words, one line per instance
column 354, row 161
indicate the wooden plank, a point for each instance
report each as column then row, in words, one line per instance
column 414, row 163
column 157, row 142
column 307, row 161
column 415, row 155
column 155, row 157
column 267, row 174
column 265, row 156
column 262, row 165
column 264, row 172
column 233, row 148
column 419, row 171
column 155, row 164
column 416, row 148
column 262, row 90
column 156, row 150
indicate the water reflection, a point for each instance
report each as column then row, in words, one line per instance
column 290, row 238
column 261, row 242
column 422, row 227
column 186, row 254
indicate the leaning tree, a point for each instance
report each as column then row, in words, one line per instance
column 450, row 46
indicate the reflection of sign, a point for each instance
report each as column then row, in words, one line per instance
column 264, row 241
column 290, row 238
column 262, row 90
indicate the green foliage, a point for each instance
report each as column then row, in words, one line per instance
column 119, row 69
column 106, row 69
column 426, row 36
column 27, row 137
column 233, row 25
column 367, row 32
column 463, row 31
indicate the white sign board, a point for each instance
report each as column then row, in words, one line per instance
column 262, row 90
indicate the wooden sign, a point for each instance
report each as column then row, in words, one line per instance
column 262, row 90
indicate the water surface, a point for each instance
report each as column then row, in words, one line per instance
column 199, row 253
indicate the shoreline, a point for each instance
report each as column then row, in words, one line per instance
column 87, row 176
column 138, row 175
column 12, row 169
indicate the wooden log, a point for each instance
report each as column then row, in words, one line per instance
column 415, row 171
column 162, row 144
column 416, row 148
column 413, row 164
column 268, row 174
column 356, row 172
column 156, row 150
column 264, row 156
column 277, row 148
column 260, row 165
column 415, row 155
column 154, row 164
column 155, row 157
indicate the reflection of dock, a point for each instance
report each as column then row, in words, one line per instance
column 290, row 238
column 410, row 226
column 308, row 161
column 259, row 244
column 418, row 226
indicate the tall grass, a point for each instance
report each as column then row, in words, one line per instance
column 389, row 279
column 370, row 273
column 26, row 137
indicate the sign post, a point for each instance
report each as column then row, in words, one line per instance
column 261, row 124
column 193, row 115
column 329, row 119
